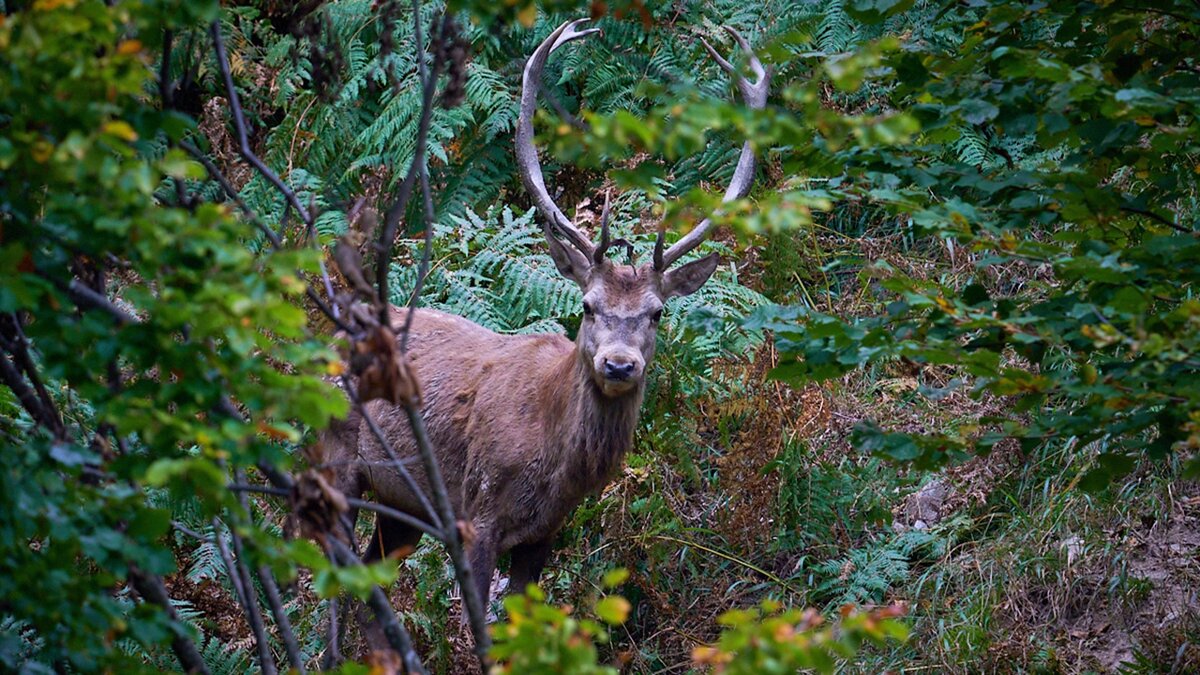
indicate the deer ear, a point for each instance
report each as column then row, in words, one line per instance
column 570, row 262
column 689, row 278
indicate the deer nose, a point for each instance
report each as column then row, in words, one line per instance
column 618, row 370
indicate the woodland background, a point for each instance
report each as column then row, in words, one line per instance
column 948, row 367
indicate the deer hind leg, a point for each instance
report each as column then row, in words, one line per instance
column 528, row 560
column 390, row 536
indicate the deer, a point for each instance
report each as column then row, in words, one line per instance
column 525, row 427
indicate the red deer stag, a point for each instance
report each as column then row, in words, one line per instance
column 526, row 426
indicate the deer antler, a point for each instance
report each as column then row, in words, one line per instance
column 755, row 96
column 604, row 240
column 527, row 159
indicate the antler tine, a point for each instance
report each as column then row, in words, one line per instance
column 604, row 240
column 755, row 96
column 527, row 160
column 658, row 248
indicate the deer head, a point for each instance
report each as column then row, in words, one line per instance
column 622, row 304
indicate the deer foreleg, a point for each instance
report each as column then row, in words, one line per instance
column 483, row 560
column 528, row 560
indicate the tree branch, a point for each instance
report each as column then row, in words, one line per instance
column 373, row 507
column 13, row 339
column 1157, row 218
column 217, row 175
column 269, row 587
column 29, row 400
column 377, row 432
column 152, row 589
column 397, row 637
column 450, row 536
column 342, row 554
column 391, row 221
column 239, row 124
column 86, row 298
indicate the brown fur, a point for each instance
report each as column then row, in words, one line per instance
column 524, row 427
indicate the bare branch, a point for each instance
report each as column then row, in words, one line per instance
column 86, row 298
column 152, row 589
column 191, row 533
column 391, row 221
column 243, row 586
column 333, row 655
column 395, row 633
column 1157, row 218
column 427, row 200
column 377, row 432
column 239, row 124
column 267, row 579
column 29, row 400
column 217, row 175
column 363, row 504
column 235, row 579
column 450, row 536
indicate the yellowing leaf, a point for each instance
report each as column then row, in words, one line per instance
column 129, row 47
column 40, row 151
column 527, row 15
column 120, row 129
column 613, row 610
column 48, row 5
column 614, row 578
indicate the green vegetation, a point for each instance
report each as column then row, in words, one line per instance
column 939, row 407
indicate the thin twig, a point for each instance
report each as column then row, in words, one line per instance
column 271, row 589
column 191, row 533
column 20, row 347
column 266, row 659
column 29, row 400
column 166, row 88
column 86, row 298
column 426, row 256
column 1157, row 218
column 342, row 554
column 391, row 221
column 450, row 535
column 239, row 124
column 281, row 619
column 273, row 238
column 397, row 637
column 217, row 175
column 333, row 655
column 353, row 503
column 386, row 444
column 447, row 522
column 230, row 568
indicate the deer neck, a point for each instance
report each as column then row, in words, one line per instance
column 591, row 431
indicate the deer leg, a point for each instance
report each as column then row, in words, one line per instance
column 527, row 562
column 390, row 536
column 483, row 561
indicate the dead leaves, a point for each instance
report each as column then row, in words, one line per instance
column 317, row 506
column 384, row 372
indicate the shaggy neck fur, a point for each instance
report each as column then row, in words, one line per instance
column 594, row 430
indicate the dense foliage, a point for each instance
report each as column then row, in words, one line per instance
column 975, row 232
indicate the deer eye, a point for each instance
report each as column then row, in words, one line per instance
column 587, row 308
column 657, row 316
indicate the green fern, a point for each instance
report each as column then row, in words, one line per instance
column 491, row 270
column 862, row 576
